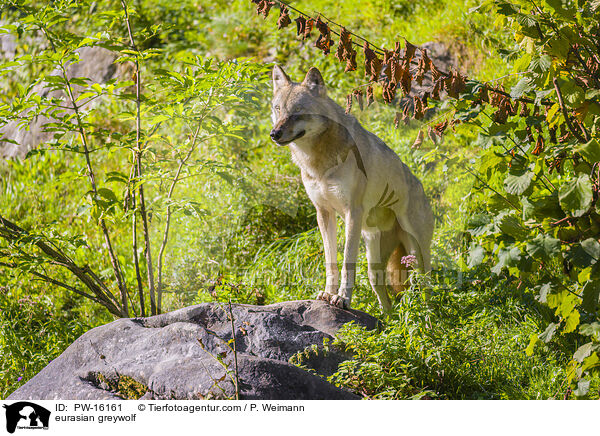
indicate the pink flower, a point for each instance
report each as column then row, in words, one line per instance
column 409, row 260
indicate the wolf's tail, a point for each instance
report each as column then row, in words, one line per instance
column 397, row 272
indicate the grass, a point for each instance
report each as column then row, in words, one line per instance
column 257, row 241
column 464, row 344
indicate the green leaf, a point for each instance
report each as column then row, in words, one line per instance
column 572, row 321
column 108, row 194
column 584, row 254
column 517, row 183
column 476, row 256
column 507, row 258
column 510, row 225
column 583, row 352
column 545, row 289
column 545, row 207
column 590, row 151
column 541, row 64
column 543, row 247
column 548, row 334
column 523, row 86
column 583, row 387
column 533, row 340
column 592, row 247
column 558, row 45
column 592, row 329
column 591, row 294
column 506, row 8
column 576, row 196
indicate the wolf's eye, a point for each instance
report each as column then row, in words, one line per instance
column 297, row 109
column 277, row 109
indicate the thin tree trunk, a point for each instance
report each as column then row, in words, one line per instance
column 138, row 166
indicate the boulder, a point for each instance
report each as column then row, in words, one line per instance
column 188, row 354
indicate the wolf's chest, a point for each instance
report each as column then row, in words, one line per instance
column 339, row 188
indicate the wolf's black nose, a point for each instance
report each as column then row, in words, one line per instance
column 276, row 134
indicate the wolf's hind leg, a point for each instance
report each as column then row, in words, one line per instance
column 327, row 226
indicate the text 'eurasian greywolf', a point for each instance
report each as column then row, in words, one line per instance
column 348, row 170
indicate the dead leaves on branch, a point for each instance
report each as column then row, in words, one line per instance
column 263, row 7
column 284, row 18
column 373, row 64
column 324, row 41
column 358, row 95
column 396, row 70
column 345, row 51
column 423, row 67
column 304, row 27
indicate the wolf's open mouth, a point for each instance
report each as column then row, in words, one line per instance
column 299, row 135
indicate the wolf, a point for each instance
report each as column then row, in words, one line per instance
column 349, row 171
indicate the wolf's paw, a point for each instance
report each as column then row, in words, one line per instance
column 325, row 296
column 339, row 301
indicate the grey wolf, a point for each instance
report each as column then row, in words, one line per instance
column 347, row 170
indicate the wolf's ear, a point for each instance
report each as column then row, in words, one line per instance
column 314, row 81
column 280, row 79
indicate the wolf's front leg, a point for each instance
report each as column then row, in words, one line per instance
column 327, row 226
column 353, row 227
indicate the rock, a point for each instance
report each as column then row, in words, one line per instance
column 185, row 355
column 95, row 63
column 444, row 60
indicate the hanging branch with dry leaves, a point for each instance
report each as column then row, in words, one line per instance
column 397, row 69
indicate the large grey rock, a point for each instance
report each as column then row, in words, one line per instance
column 185, row 355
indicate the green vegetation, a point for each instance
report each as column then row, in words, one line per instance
column 507, row 285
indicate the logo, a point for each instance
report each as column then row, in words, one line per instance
column 26, row 415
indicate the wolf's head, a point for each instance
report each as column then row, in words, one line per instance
column 299, row 110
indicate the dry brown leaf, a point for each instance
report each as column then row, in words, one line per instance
column 389, row 92
column 539, row 146
column 552, row 134
column 351, row 63
column 501, row 115
column 484, row 94
column 348, row 103
column 440, row 128
column 370, row 98
column 409, row 54
column 388, row 58
column 419, row 109
column 358, row 94
column 454, row 84
column 345, row 51
column 396, row 72
column 405, row 81
column 372, row 63
column 304, row 27
column 432, row 135
column 422, row 67
column 324, row 41
column 284, row 18
column 496, row 98
column 406, row 114
column 418, row 140
column 435, row 73
column 435, row 91
column 263, row 7
column 300, row 26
